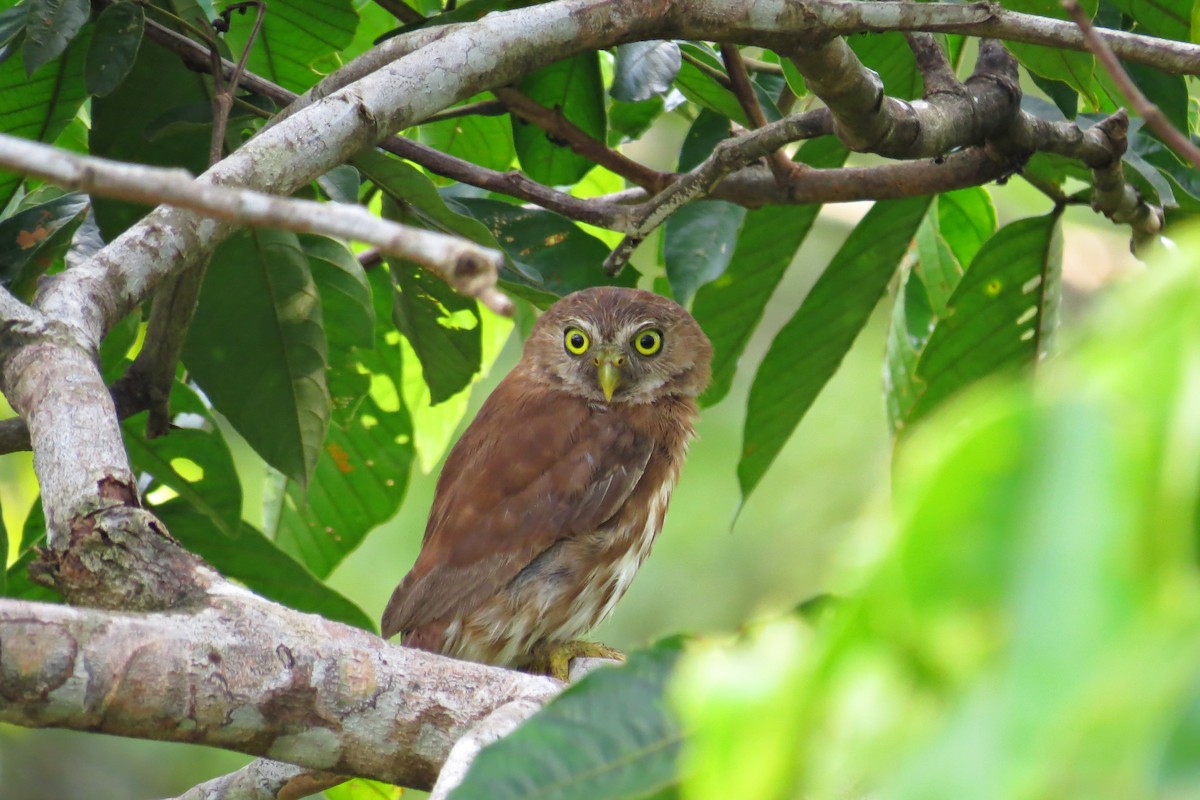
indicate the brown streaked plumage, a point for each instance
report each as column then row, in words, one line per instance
column 552, row 498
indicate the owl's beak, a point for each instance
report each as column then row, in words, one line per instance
column 608, row 372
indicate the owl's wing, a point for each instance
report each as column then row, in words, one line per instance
column 534, row 467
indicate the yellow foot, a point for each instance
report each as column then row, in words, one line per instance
column 557, row 662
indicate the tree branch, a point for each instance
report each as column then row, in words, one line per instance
column 470, row 269
column 247, row 675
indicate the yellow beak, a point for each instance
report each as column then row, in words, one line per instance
column 608, row 373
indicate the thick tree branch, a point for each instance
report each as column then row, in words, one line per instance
column 244, row 674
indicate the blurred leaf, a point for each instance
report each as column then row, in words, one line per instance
column 114, row 350
column 363, row 789
column 1073, row 68
column 609, row 736
column 12, row 25
column 551, row 253
column 890, row 56
column 49, row 28
column 441, row 325
column 998, row 318
column 1168, row 92
column 966, row 219
column 729, row 308
column 259, row 289
column 17, row 582
column 3, row 557
column 347, row 314
column 114, row 46
column 298, row 40
column 39, row 106
column 34, row 238
column 1063, row 96
column 573, row 89
column 341, row 184
column 480, row 139
column 811, row 345
column 121, row 123
column 644, row 69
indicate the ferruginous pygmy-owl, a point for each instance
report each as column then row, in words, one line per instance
column 552, row 498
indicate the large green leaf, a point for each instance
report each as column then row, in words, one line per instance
column 1071, row 67
column 574, row 89
column 50, row 28
column 39, row 106
column 114, row 46
column 810, row 346
column 1165, row 18
column 644, row 70
column 609, row 736
column 257, row 348
column 122, row 127
column 483, row 140
column 299, row 39
column 442, row 326
column 362, row 473
column 730, row 307
column 999, row 316
column 890, row 56
column 702, row 89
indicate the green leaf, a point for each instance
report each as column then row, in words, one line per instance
column 12, row 25
column 49, row 28
column 628, row 121
column 40, row 106
column 1073, row 68
column 890, row 56
column 702, row 89
column 298, row 42
column 483, row 140
column 192, row 466
column 551, row 253
column 998, row 318
column 259, row 292
column 346, row 310
column 1168, row 19
column 3, row 557
column 442, row 326
column 644, row 70
column 417, row 197
column 1167, row 92
column 573, row 88
column 35, row 238
column 121, row 122
column 729, row 308
column 811, row 345
column 610, row 736
column 114, row 46
column 363, row 789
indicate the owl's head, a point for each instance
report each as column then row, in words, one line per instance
column 614, row 345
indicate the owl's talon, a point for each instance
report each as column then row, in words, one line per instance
column 557, row 662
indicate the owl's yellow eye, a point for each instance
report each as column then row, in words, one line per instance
column 648, row 342
column 576, row 341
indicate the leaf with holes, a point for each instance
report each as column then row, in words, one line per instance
column 259, row 291
column 609, row 736
column 810, row 346
column 730, row 307
column 1000, row 316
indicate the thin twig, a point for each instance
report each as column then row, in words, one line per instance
column 1158, row 122
column 401, row 11
column 482, row 108
column 781, row 166
column 559, row 128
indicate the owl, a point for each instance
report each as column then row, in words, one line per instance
column 551, row 500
